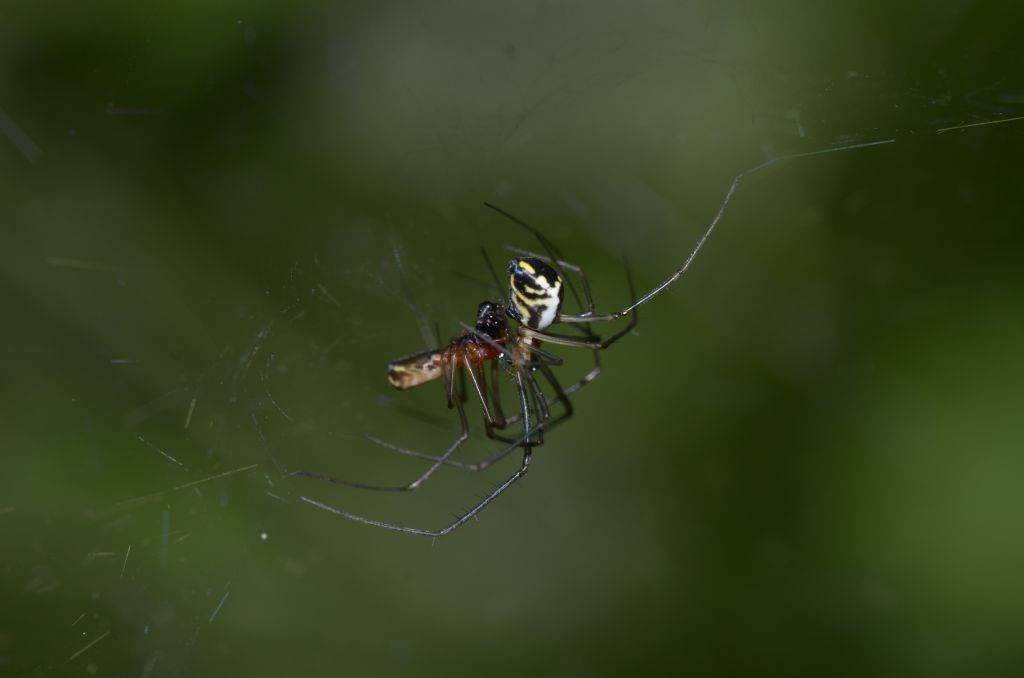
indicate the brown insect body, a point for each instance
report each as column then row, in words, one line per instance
column 469, row 348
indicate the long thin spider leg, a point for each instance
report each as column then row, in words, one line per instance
column 543, row 411
column 557, row 361
column 441, row 422
column 582, row 343
column 463, row 436
column 550, row 357
column 444, row 459
column 477, row 466
column 437, row 462
column 524, row 401
column 590, row 376
column 535, row 351
column 481, row 391
column 458, row 522
column 586, row 379
column 521, row 373
column 710, row 229
column 494, row 275
column 495, row 386
column 595, row 371
column 596, row 344
column 540, row 406
column 527, row 453
column 497, row 455
column 487, row 461
column 552, row 251
column 561, row 394
column 449, row 384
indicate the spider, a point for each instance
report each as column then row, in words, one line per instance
column 535, row 296
column 536, row 292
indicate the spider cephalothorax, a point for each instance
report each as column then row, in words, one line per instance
column 490, row 321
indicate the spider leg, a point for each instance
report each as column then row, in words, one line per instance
column 461, row 520
column 476, row 375
column 554, row 255
column 458, row 522
column 594, row 344
column 545, row 356
column 451, row 393
column 495, row 386
column 540, row 407
column 590, row 376
column 494, row 275
column 550, row 357
column 597, row 345
column 453, row 398
column 540, row 357
column 498, row 455
column 585, row 318
column 490, row 459
column 561, row 395
column 539, row 399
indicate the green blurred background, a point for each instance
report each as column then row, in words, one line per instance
column 806, row 462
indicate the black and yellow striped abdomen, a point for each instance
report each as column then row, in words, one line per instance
column 535, row 292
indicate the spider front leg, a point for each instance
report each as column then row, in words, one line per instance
column 594, row 345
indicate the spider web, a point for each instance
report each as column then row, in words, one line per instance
column 217, row 241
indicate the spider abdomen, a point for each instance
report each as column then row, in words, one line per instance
column 536, row 292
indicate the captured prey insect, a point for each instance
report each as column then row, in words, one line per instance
column 536, row 292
